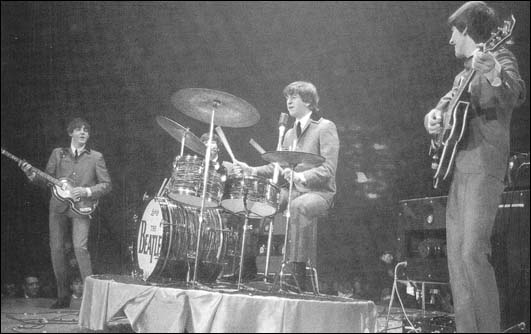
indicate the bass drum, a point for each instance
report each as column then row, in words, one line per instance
column 167, row 239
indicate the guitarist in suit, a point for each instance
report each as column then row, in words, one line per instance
column 477, row 182
column 88, row 172
column 314, row 188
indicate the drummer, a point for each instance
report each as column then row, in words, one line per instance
column 225, row 167
column 314, row 187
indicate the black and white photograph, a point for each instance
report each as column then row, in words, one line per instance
column 269, row 166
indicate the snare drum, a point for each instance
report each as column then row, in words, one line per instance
column 186, row 183
column 167, row 239
column 262, row 196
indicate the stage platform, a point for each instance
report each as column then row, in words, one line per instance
column 165, row 308
column 119, row 304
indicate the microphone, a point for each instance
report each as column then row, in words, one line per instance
column 282, row 124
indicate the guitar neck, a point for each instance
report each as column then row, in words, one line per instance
column 37, row 171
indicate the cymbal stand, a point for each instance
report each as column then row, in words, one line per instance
column 215, row 104
column 268, row 254
column 183, row 140
column 245, row 226
column 281, row 275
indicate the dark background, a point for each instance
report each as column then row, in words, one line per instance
column 378, row 67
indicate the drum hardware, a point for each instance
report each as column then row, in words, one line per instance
column 290, row 159
column 212, row 107
column 268, row 252
column 182, row 134
column 161, row 189
column 245, row 227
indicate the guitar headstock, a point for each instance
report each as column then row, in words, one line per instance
column 501, row 35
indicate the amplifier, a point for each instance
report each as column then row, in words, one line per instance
column 423, row 238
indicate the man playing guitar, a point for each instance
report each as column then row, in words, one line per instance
column 90, row 180
column 495, row 90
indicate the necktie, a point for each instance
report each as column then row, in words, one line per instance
column 76, row 155
column 299, row 130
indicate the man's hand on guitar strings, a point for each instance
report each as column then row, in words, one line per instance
column 79, row 192
column 433, row 121
column 483, row 62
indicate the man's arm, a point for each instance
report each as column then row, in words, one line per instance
column 103, row 185
column 511, row 89
column 329, row 149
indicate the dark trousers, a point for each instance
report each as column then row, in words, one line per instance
column 471, row 210
column 305, row 210
column 80, row 233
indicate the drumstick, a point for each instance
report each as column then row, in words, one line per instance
column 257, row 146
column 261, row 150
column 225, row 142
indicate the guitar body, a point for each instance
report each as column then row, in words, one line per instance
column 63, row 192
column 445, row 154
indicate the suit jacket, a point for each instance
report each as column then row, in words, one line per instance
column 318, row 137
column 486, row 145
column 89, row 170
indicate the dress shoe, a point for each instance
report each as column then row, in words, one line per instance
column 63, row 302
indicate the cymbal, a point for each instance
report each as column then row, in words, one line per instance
column 177, row 131
column 231, row 111
column 293, row 158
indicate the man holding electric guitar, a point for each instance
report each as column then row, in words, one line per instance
column 477, row 113
column 79, row 177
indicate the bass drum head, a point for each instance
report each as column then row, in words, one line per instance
column 167, row 240
column 149, row 241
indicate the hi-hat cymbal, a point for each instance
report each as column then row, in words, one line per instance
column 293, row 158
column 177, row 131
column 230, row 111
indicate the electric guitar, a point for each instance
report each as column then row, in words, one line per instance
column 62, row 190
column 454, row 120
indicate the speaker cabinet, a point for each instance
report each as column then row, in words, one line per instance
column 423, row 238
column 423, row 242
column 510, row 256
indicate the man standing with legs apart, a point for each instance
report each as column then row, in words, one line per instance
column 477, row 184
column 90, row 180
column 314, row 187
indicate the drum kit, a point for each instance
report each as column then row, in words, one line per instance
column 182, row 226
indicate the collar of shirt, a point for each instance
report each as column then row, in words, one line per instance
column 468, row 62
column 304, row 120
column 79, row 150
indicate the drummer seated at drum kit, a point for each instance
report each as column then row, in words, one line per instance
column 313, row 186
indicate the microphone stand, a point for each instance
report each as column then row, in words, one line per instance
column 281, row 130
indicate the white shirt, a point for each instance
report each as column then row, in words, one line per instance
column 304, row 121
column 79, row 150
